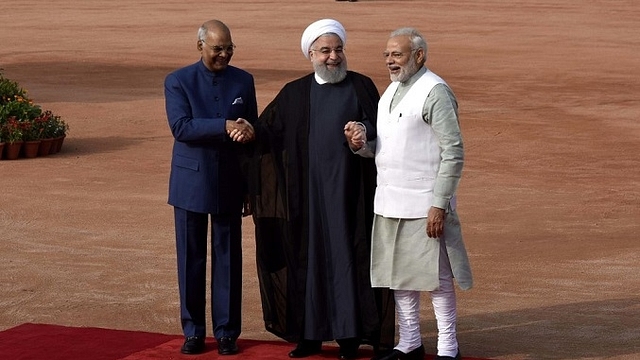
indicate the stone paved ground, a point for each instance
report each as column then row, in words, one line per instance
column 549, row 97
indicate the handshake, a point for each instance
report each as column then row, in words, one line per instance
column 356, row 135
column 240, row 130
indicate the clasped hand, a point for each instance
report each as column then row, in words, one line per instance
column 355, row 134
column 240, row 130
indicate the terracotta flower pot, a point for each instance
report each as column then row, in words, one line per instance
column 30, row 149
column 45, row 147
column 57, row 144
column 12, row 150
column 61, row 142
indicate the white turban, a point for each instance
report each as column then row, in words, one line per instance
column 319, row 28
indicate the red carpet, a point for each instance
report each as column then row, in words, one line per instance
column 53, row 342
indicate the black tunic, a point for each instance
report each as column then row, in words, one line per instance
column 313, row 209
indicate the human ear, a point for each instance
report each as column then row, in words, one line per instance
column 420, row 58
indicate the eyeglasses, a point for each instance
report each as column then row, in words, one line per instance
column 327, row 51
column 396, row 54
column 218, row 49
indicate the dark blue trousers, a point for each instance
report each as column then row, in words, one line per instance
column 226, row 272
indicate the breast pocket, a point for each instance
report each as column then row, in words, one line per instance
column 237, row 108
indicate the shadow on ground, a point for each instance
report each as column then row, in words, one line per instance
column 557, row 332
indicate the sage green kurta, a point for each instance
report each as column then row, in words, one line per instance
column 404, row 258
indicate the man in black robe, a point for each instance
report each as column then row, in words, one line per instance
column 312, row 207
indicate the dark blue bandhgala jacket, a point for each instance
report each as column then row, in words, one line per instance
column 205, row 169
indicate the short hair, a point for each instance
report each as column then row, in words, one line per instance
column 417, row 40
column 202, row 32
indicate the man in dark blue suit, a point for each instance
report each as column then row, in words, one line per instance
column 210, row 107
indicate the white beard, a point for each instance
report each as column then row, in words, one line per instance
column 331, row 76
column 406, row 72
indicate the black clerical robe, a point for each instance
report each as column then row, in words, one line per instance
column 313, row 209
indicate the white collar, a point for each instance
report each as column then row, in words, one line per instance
column 319, row 80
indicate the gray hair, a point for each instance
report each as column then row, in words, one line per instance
column 202, row 33
column 417, row 40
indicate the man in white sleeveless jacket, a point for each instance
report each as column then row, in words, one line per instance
column 417, row 241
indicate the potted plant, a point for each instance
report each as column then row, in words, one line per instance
column 12, row 134
column 61, row 128
column 22, row 120
column 31, row 133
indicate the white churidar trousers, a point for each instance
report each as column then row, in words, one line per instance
column 443, row 301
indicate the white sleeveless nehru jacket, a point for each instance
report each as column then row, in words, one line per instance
column 407, row 153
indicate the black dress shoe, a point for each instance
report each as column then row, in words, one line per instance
column 348, row 348
column 193, row 345
column 227, row 346
column 392, row 354
column 350, row 354
column 306, row 348
column 416, row 354
column 458, row 357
